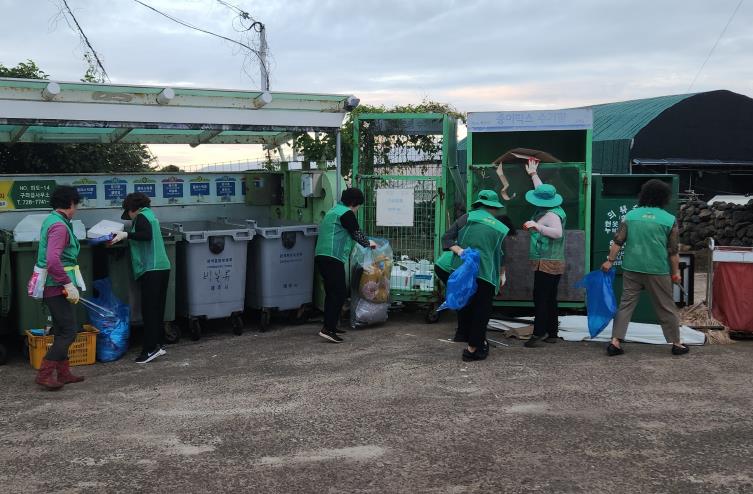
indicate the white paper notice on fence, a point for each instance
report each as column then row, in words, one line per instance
column 394, row 207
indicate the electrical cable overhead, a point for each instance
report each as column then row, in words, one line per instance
column 711, row 52
column 260, row 54
column 66, row 9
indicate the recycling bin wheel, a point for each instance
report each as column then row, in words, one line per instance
column 237, row 320
column 264, row 319
column 432, row 316
column 194, row 328
column 172, row 332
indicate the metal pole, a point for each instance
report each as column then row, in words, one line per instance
column 338, row 164
column 263, row 55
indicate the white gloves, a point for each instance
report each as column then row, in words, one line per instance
column 71, row 293
column 119, row 237
column 532, row 166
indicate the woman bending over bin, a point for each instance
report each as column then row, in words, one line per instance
column 443, row 266
column 546, row 254
column 484, row 233
column 337, row 232
column 57, row 268
column 151, row 269
column 651, row 262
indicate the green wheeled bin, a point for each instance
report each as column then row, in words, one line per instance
column 5, row 297
column 613, row 196
column 26, row 312
column 115, row 261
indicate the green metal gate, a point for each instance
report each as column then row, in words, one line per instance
column 411, row 156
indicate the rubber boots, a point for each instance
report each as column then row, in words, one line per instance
column 46, row 376
column 64, row 373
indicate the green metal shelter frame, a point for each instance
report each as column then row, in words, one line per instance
column 566, row 134
column 417, row 152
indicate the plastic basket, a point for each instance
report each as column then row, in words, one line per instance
column 83, row 351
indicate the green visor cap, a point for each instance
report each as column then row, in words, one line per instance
column 488, row 198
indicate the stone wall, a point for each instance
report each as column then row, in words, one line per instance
column 728, row 224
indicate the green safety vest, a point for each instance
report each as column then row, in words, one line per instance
column 334, row 240
column 646, row 244
column 444, row 261
column 484, row 233
column 148, row 255
column 69, row 256
column 546, row 248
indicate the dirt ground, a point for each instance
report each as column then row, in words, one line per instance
column 394, row 409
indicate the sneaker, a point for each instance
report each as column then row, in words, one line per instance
column 340, row 331
column 330, row 335
column 148, row 357
column 680, row 350
column 613, row 351
column 552, row 339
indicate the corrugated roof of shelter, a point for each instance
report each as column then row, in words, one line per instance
column 624, row 119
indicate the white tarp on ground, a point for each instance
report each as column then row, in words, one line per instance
column 575, row 328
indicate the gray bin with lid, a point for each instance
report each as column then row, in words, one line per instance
column 211, row 272
column 281, row 268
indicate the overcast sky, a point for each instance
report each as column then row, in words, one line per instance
column 475, row 54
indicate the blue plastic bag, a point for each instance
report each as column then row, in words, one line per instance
column 113, row 323
column 601, row 303
column 462, row 285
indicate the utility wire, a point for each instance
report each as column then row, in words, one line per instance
column 196, row 28
column 711, row 52
column 86, row 41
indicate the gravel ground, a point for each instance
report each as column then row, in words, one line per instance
column 394, row 409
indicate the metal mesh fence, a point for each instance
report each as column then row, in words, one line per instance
column 386, row 147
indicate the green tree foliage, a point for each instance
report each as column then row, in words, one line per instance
column 321, row 147
column 68, row 158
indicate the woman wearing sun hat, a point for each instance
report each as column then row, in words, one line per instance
column 546, row 253
column 482, row 231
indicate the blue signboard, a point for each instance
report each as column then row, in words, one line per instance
column 150, row 190
column 199, row 188
column 172, row 189
column 225, row 187
column 115, row 190
column 87, row 191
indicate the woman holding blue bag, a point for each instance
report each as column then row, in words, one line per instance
column 483, row 232
column 151, row 269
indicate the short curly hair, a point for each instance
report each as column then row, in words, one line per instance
column 135, row 201
column 63, row 197
column 654, row 194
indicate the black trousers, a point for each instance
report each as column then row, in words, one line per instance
column 474, row 317
column 545, row 303
column 335, row 289
column 442, row 275
column 64, row 327
column 153, row 285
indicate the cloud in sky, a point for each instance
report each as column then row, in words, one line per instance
column 475, row 54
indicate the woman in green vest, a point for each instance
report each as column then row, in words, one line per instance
column 484, row 233
column 337, row 232
column 651, row 262
column 546, row 254
column 57, row 271
column 443, row 265
column 151, row 269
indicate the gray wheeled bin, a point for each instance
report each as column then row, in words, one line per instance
column 211, row 272
column 281, row 269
